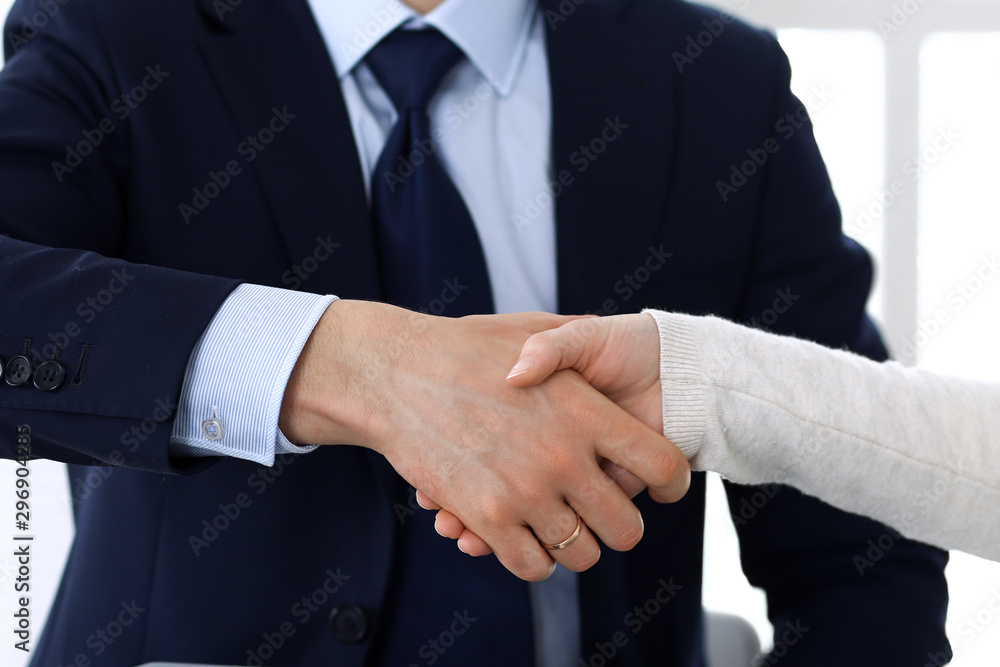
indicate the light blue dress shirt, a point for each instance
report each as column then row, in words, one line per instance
column 493, row 116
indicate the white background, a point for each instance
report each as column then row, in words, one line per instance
column 895, row 82
column 890, row 92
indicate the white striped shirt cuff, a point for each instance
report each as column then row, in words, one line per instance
column 236, row 377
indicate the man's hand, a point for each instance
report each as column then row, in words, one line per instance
column 515, row 464
column 618, row 355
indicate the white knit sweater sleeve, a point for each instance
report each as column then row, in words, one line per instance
column 917, row 451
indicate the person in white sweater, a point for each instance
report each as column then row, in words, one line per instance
column 912, row 449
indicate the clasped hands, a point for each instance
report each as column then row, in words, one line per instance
column 516, row 428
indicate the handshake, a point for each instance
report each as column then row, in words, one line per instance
column 529, row 432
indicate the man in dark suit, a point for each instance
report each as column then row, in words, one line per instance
column 163, row 164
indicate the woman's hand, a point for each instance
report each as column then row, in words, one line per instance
column 618, row 355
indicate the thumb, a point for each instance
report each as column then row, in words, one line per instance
column 549, row 351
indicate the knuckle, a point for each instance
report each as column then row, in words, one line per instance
column 523, row 561
column 564, row 465
column 594, row 492
column 495, row 512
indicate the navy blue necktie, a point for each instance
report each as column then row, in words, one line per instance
column 446, row 608
column 431, row 258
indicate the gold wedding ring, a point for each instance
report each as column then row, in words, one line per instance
column 569, row 540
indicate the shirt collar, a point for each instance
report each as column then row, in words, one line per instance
column 493, row 35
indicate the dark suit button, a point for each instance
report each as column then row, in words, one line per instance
column 18, row 370
column 349, row 623
column 49, row 375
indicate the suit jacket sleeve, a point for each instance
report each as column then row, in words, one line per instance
column 810, row 281
column 125, row 331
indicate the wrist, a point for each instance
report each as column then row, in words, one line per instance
column 342, row 388
column 324, row 400
column 684, row 395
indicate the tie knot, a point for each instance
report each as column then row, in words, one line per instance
column 409, row 64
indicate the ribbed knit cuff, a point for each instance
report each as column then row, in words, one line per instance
column 684, row 390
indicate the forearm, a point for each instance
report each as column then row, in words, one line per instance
column 906, row 447
column 122, row 331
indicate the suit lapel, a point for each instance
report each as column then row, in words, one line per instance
column 612, row 133
column 269, row 56
column 272, row 66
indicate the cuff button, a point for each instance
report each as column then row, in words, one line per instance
column 213, row 429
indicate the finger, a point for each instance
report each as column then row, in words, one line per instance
column 448, row 525
column 549, row 351
column 677, row 489
column 504, row 535
column 607, row 512
column 604, row 507
column 473, row 545
column 424, row 501
column 518, row 550
column 629, row 483
column 647, row 455
column 581, row 553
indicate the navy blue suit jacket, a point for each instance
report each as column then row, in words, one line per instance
column 100, row 256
